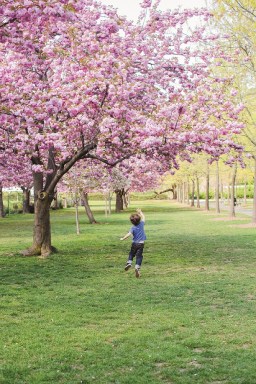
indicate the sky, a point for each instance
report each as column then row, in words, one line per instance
column 131, row 7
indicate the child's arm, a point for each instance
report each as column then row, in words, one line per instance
column 126, row 236
column 139, row 211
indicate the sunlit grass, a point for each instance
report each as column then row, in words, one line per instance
column 78, row 317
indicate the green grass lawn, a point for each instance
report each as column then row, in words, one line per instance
column 78, row 317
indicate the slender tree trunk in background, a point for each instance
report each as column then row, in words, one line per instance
column 188, row 191
column 183, row 192
column 2, row 214
column 55, row 200
column 217, row 189
column 125, row 198
column 254, row 194
column 119, row 200
column 197, row 193
column 207, row 187
column 229, row 187
column 77, row 216
column 26, row 200
column 245, row 191
column 178, row 193
column 88, row 208
column 221, row 191
column 65, row 203
column 174, row 187
column 108, row 199
column 193, row 193
column 232, row 192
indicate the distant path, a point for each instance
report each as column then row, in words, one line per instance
column 224, row 207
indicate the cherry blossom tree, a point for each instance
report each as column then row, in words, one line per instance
column 79, row 82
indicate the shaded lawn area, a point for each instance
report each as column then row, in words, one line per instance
column 78, row 317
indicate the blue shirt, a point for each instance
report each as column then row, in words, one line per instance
column 138, row 232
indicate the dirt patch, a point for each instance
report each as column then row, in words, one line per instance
column 247, row 225
column 229, row 218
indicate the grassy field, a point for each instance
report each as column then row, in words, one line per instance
column 78, row 317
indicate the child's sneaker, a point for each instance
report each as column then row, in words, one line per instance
column 128, row 266
column 137, row 272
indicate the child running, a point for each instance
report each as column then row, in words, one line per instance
column 139, row 237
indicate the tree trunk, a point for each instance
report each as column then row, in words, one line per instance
column 183, row 192
column 65, row 203
column 197, row 193
column 126, row 198
column 42, row 229
column 88, row 208
column 188, row 191
column 207, row 207
column 55, row 204
column 178, row 193
column 232, row 192
column 119, row 200
column 217, row 189
column 245, row 188
column 108, row 198
column 193, row 193
column 43, row 195
column 254, row 194
column 174, row 187
column 77, row 218
column 26, row 200
column 2, row 214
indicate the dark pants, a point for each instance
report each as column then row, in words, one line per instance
column 136, row 250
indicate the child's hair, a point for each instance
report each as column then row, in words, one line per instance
column 135, row 218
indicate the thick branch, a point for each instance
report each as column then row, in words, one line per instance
column 8, row 22
column 67, row 165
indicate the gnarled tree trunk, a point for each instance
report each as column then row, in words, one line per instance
column 42, row 228
column 43, row 196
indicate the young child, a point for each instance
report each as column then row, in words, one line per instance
column 139, row 236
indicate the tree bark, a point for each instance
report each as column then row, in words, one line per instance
column 125, row 198
column 197, row 193
column 2, row 214
column 217, row 189
column 232, row 192
column 174, row 191
column 188, row 191
column 88, row 208
column 207, row 207
column 183, row 192
column 193, row 193
column 26, row 200
column 119, row 200
column 42, row 228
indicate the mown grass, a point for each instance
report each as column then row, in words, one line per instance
column 78, row 317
